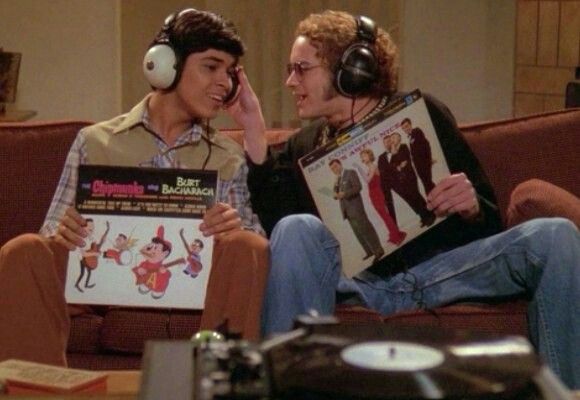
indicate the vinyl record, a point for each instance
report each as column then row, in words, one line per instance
column 382, row 362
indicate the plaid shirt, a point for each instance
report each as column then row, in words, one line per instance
column 234, row 192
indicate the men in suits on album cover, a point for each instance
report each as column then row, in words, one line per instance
column 420, row 153
column 347, row 190
column 397, row 174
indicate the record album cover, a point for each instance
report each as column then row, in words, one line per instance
column 370, row 183
column 144, row 246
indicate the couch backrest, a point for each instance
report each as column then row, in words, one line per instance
column 32, row 156
column 543, row 146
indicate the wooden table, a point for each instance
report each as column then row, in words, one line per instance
column 124, row 384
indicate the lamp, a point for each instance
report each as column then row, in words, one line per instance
column 9, row 68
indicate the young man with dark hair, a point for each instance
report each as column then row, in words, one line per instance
column 191, row 66
column 343, row 70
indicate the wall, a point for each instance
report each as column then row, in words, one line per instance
column 70, row 56
column 461, row 51
column 548, row 49
column 79, row 63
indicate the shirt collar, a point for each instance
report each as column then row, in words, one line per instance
column 139, row 115
column 133, row 117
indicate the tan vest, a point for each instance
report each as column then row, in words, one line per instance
column 123, row 141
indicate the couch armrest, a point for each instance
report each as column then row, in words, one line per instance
column 542, row 146
column 536, row 199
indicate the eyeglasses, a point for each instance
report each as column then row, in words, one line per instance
column 300, row 68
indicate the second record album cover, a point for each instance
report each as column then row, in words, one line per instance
column 370, row 184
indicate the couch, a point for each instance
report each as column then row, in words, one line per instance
column 541, row 147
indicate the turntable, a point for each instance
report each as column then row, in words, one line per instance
column 322, row 359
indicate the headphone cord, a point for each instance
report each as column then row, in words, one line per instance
column 207, row 140
column 209, row 146
column 353, row 114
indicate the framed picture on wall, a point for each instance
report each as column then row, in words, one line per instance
column 9, row 68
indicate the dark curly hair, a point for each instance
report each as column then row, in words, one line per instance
column 195, row 31
column 331, row 32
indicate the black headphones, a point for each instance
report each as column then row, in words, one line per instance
column 163, row 62
column 357, row 69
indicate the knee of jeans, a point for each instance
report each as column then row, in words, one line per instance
column 557, row 233
column 296, row 225
column 564, row 231
column 560, row 229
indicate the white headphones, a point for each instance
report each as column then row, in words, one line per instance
column 162, row 63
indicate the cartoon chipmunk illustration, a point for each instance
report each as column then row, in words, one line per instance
column 152, row 275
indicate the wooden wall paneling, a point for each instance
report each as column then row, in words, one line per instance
column 543, row 71
column 525, row 103
column 542, row 80
column 552, row 103
column 549, row 18
column 526, row 32
column 569, row 44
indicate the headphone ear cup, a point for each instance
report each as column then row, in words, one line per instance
column 357, row 71
column 160, row 66
column 235, row 84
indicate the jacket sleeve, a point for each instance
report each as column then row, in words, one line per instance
column 460, row 158
column 277, row 186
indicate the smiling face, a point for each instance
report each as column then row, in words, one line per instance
column 205, row 82
column 336, row 167
column 313, row 90
column 154, row 252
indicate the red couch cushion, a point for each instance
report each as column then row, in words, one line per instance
column 85, row 333
column 39, row 150
column 504, row 318
column 125, row 330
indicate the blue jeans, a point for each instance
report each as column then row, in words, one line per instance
column 539, row 258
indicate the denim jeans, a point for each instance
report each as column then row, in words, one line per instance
column 539, row 258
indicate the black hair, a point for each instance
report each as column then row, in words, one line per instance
column 195, row 31
column 166, row 247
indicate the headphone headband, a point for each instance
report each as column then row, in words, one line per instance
column 366, row 29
